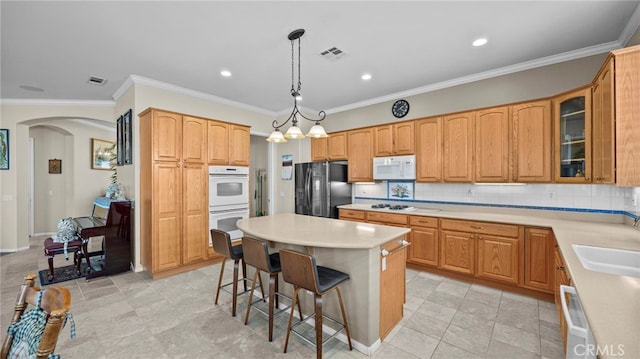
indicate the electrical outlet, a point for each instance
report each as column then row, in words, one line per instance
column 551, row 195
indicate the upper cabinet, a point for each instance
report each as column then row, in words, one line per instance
column 429, row 149
column 332, row 148
column 458, row 147
column 627, row 115
column 167, row 136
column 394, row 139
column 531, row 126
column 492, row 145
column 228, row 144
column 360, row 144
column 603, row 133
column 239, row 144
column 337, row 146
column 195, row 149
column 572, row 123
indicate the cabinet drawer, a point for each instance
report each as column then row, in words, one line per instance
column 423, row 221
column 390, row 218
column 351, row 214
column 505, row 230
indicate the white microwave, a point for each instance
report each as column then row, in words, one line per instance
column 394, row 168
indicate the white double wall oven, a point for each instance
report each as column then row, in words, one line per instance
column 228, row 198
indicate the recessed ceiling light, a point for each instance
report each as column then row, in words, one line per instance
column 225, row 73
column 480, row 42
column 31, row 88
column 366, row 77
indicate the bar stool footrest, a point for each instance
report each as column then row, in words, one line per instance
column 312, row 315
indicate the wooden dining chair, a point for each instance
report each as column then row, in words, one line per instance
column 55, row 302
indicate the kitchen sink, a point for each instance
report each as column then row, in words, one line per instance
column 609, row 260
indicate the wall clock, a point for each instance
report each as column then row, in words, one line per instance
column 400, row 108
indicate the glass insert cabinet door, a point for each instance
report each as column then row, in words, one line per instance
column 573, row 135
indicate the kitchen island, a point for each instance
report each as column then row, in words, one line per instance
column 354, row 248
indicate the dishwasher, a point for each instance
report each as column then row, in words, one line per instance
column 580, row 342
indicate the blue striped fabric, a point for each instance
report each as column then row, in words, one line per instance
column 27, row 332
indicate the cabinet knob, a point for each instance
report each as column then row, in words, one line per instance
column 586, row 178
column 560, row 267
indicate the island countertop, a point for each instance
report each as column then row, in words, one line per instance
column 319, row 232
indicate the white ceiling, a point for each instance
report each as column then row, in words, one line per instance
column 406, row 46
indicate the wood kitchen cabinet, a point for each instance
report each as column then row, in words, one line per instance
column 360, row 150
column 174, row 211
column 531, row 126
column 572, row 137
column 492, row 145
column 228, row 144
column 458, row 147
column 332, row 148
column 562, row 277
column 498, row 249
column 351, row 215
column 429, row 150
column 394, row 139
column 603, row 126
column 626, row 64
column 424, row 239
column 538, row 259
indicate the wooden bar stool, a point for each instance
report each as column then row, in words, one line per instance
column 256, row 254
column 301, row 270
column 222, row 245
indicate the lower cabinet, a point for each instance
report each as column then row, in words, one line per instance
column 392, row 287
column 561, row 275
column 424, row 238
column 538, row 260
column 498, row 258
column 457, row 251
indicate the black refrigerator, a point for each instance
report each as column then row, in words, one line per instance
column 321, row 187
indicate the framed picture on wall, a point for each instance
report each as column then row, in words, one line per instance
column 119, row 141
column 4, row 149
column 127, row 137
column 103, row 154
column 55, row 166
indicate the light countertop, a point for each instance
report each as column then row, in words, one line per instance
column 320, row 232
column 610, row 302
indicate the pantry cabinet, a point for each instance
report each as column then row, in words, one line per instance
column 429, row 150
column 174, row 188
column 572, row 123
column 458, row 147
column 538, row 259
column 531, row 126
column 492, row 145
column 394, row 139
column 360, row 150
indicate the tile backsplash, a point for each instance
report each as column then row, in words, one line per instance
column 563, row 197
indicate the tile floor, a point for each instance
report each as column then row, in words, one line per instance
column 132, row 316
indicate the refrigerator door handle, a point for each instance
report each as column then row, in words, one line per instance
column 307, row 189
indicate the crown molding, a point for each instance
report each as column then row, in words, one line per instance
column 630, row 28
column 44, row 102
column 527, row 65
column 136, row 79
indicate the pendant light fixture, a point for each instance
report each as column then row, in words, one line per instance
column 294, row 132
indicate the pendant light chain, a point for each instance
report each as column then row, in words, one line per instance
column 294, row 132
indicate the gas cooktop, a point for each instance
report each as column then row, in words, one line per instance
column 397, row 207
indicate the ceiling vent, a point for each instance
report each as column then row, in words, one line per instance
column 95, row 80
column 332, row 54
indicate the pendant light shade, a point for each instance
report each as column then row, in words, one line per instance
column 276, row 137
column 317, row 131
column 294, row 132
